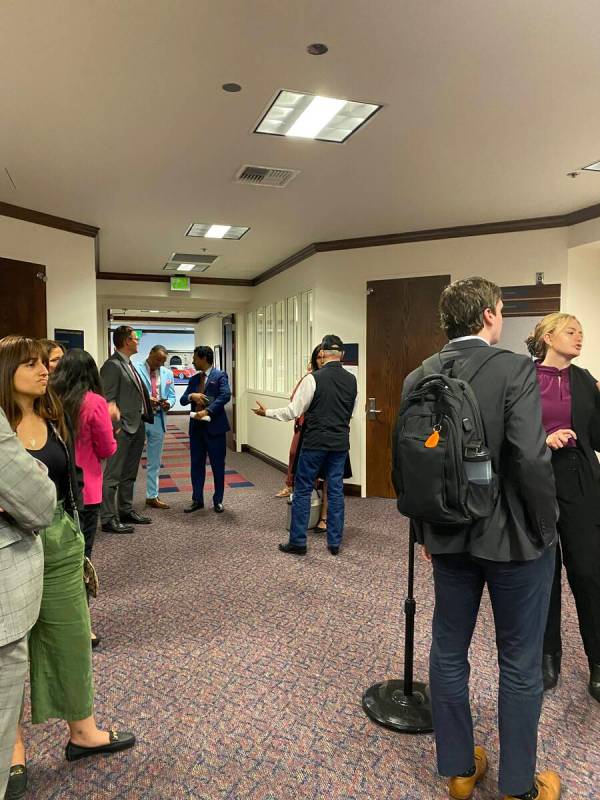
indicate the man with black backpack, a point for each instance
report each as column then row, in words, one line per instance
column 473, row 473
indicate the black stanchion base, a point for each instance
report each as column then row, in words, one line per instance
column 386, row 704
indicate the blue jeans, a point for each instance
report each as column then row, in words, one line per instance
column 154, row 444
column 520, row 593
column 311, row 463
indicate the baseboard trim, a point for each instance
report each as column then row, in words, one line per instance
column 350, row 489
column 272, row 462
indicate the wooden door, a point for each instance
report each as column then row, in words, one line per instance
column 403, row 329
column 229, row 367
column 22, row 299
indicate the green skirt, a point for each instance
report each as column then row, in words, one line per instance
column 59, row 645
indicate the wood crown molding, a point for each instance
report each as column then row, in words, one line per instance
column 48, row 220
column 431, row 234
column 459, row 231
column 155, row 278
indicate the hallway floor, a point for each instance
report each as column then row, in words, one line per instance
column 241, row 669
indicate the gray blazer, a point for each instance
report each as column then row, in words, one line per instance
column 28, row 500
column 121, row 387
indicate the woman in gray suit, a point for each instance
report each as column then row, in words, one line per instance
column 27, row 502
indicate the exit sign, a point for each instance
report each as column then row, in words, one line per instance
column 180, row 283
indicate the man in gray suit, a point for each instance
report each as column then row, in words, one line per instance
column 123, row 385
column 27, row 502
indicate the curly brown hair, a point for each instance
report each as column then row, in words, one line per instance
column 463, row 303
column 14, row 351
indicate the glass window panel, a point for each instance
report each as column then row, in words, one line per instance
column 280, row 379
column 260, row 349
column 269, row 348
column 294, row 374
column 251, row 348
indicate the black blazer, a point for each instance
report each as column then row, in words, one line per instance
column 585, row 412
column 523, row 523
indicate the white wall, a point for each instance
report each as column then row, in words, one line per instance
column 583, row 301
column 338, row 280
column 70, row 270
column 209, row 331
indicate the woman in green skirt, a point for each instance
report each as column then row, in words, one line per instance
column 60, row 652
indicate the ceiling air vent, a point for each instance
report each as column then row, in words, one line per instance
column 274, row 177
column 193, row 258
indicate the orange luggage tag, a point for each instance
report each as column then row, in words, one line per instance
column 434, row 437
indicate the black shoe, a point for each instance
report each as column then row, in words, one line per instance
column 594, row 686
column 135, row 518
column 551, row 669
column 194, row 507
column 219, row 508
column 119, row 740
column 333, row 550
column 294, row 549
column 117, row 527
column 17, row 782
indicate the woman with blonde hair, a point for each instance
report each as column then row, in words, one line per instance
column 571, row 417
column 59, row 644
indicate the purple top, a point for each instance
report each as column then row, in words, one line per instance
column 555, row 388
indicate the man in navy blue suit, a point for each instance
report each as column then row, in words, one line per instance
column 208, row 392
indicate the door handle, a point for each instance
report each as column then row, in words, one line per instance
column 372, row 410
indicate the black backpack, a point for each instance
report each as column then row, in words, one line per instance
column 439, row 426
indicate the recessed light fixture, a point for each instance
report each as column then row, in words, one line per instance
column 185, row 267
column 209, row 231
column 595, row 167
column 153, row 311
column 231, row 87
column 317, row 49
column 310, row 116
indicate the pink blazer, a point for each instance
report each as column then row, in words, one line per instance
column 95, row 442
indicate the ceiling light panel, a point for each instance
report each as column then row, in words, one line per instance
column 210, row 231
column 176, row 266
column 310, row 116
column 595, row 167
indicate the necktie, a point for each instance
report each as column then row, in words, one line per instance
column 202, row 384
column 154, row 385
column 138, row 381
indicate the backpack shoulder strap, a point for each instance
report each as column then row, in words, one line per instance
column 473, row 365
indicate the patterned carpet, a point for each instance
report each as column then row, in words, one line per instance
column 174, row 475
column 241, row 670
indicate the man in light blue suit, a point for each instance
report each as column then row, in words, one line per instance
column 160, row 384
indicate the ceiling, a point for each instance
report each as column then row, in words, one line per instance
column 113, row 115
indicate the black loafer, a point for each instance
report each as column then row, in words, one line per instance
column 119, row 740
column 17, row 782
column 219, row 508
column 135, row 519
column 333, row 550
column 117, row 527
column 195, row 506
column 551, row 663
column 293, row 549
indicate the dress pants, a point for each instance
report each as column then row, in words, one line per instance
column 312, row 463
column 519, row 592
column 88, row 520
column 579, row 531
column 120, row 474
column 13, row 669
column 202, row 444
column 155, row 437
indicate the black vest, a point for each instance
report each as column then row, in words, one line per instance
column 327, row 420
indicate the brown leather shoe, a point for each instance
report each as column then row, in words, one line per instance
column 462, row 788
column 154, row 502
column 548, row 786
